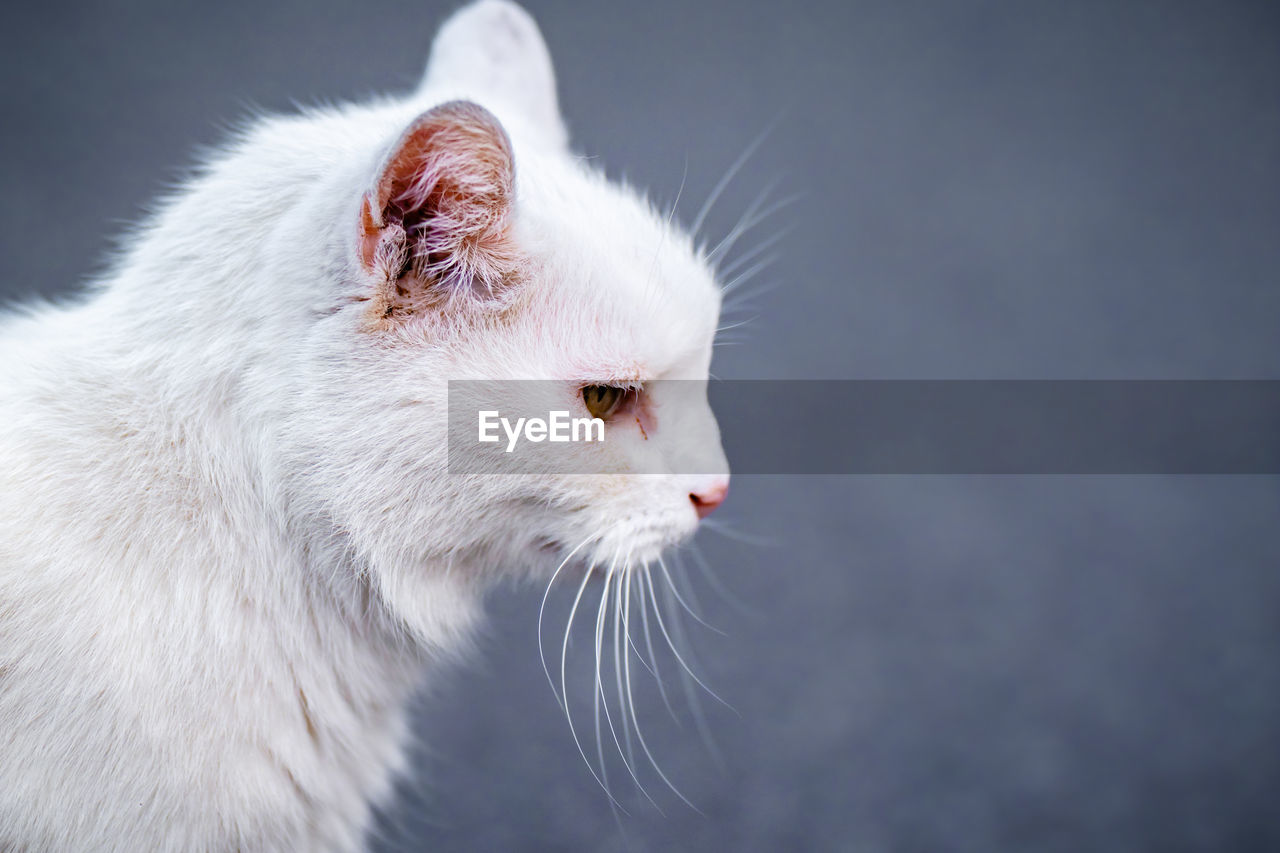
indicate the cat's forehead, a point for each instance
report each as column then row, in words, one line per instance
column 618, row 274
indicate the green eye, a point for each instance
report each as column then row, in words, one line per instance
column 602, row 400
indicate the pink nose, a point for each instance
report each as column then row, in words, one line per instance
column 706, row 500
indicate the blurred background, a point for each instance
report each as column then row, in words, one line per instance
column 985, row 190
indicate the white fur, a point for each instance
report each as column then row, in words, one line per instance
column 229, row 550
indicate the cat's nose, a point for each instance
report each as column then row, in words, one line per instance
column 706, row 499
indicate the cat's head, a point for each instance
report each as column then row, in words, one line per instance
column 480, row 247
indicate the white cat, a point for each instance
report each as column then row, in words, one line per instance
column 230, row 550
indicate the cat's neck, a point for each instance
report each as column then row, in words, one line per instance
column 198, row 600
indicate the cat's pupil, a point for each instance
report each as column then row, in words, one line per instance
column 602, row 400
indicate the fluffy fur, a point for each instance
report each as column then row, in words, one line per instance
column 229, row 548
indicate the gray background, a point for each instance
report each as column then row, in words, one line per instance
column 991, row 189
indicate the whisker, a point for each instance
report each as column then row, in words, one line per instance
column 564, row 651
column 728, row 176
column 631, row 642
column 626, row 616
column 650, row 290
column 657, row 611
column 725, row 529
column 667, row 574
column 597, row 693
column 750, row 220
column 615, row 602
column 542, row 609
column 749, row 273
column 620, row 663
column 741, row 300
column 755, row 251
column 687, row 680
column 681, row 576
column 717, row 585
column 739, row 324
column 744, row 222
column 601, row 619
column 648, row 641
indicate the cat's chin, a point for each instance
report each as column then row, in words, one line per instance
column 602, row 554
column 636, row 547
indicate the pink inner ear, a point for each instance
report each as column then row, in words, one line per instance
column 445, row 195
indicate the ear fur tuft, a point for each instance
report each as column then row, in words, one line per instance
column 436, row 225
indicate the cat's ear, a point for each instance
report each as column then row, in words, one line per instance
column 435, row 226
column 491, row 50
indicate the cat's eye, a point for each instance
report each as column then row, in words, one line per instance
column 602, row 400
